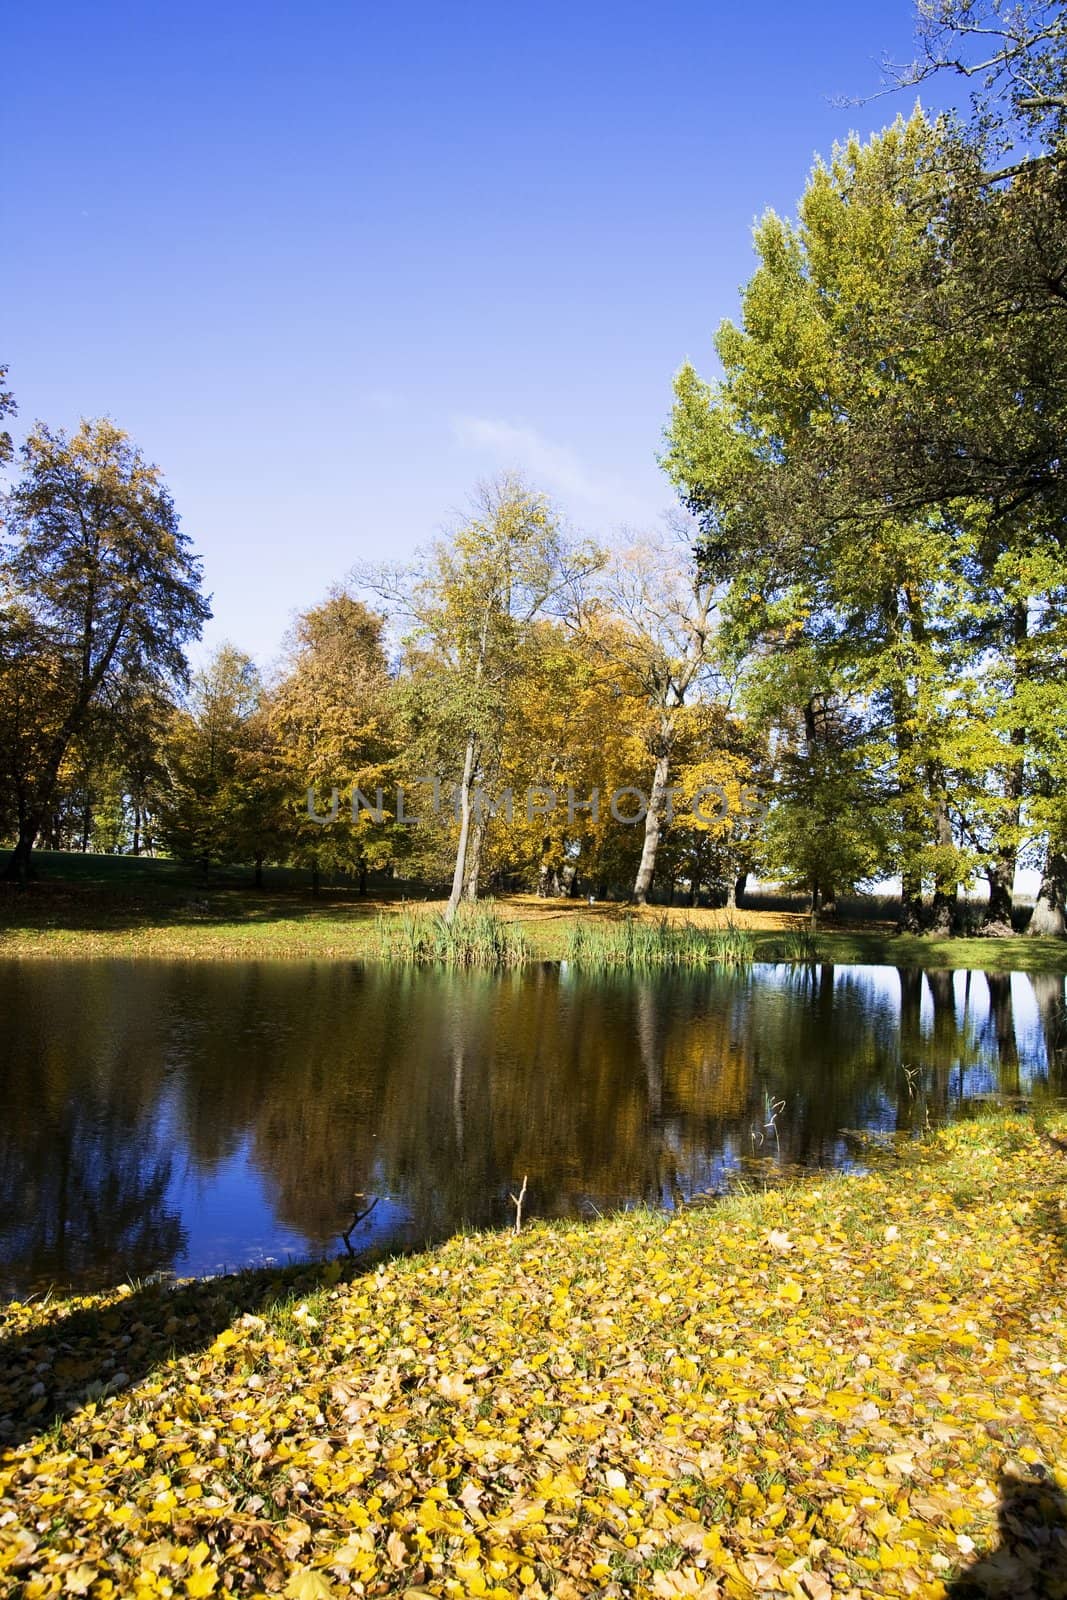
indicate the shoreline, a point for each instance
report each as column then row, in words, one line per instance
column 845, row 1385
column 238, row 928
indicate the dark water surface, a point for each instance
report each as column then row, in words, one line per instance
column 184, row 1117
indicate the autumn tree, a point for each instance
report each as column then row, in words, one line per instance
column 469, row 606
column 575, row 731
column 663, row 648
column 333, row 723
column 98, row 585
column 220, row 805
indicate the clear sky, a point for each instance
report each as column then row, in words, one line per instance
column 331, row 263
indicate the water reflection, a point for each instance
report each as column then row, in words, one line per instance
column 189, row 1117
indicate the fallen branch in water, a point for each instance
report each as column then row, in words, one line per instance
column 360, row 1216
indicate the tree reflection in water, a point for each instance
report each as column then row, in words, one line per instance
column 312, row 1088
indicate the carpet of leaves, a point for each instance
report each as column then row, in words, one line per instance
column 856, row 1385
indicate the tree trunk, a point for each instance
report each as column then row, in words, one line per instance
column 814, row 904
column 259, row 872
column 136, row 830
column 363, row 879
column 19, row 869
column 942, row 915
column 911, row 896
column 738, row 890
column 1048, row 919
column 474, row 858
column 653, row 829
column 459, row 873
column 945, row 908
column 911, row 903
column 1001, row 874
column 548, row 884
column 996, row 923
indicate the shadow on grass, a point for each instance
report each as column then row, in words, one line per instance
column 85, row 909
column 85, row 1353
column 1030, row 1561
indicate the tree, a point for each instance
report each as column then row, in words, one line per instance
column 333, row 724
column 220, row 804
column 7, row 408
column 882, row 457
column 663, row 650
column 1014, row 52
column 574, row 729
column 103, row 587
column 471, row 604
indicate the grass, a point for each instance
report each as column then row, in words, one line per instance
column 855, row 1385
column 91, row 906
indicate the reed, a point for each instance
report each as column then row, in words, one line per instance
column 799, row 945
column 478, row 936
column 631, row 945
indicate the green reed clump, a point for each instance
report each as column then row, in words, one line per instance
column 636, row 946
column 478, row 936
column 799, row 945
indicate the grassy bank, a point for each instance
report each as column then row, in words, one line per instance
column 243, row 924
column 88, row 906
column 854, row 1386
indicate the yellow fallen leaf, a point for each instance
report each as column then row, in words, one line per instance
column 78, row 1580
column 306, row 1584
column 452, row 1387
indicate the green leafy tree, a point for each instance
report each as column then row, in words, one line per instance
column 867, row 459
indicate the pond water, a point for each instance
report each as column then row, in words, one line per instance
column 181, row 1117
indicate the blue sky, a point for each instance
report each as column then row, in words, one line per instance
column 332, row 263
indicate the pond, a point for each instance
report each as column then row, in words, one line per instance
column 190, row 1118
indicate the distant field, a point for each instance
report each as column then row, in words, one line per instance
column 96, row 905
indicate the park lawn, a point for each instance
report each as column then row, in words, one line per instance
column 852, row 1385
column 100, row 906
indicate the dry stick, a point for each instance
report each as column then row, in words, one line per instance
column 360, row 1216
column 517, row 1203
